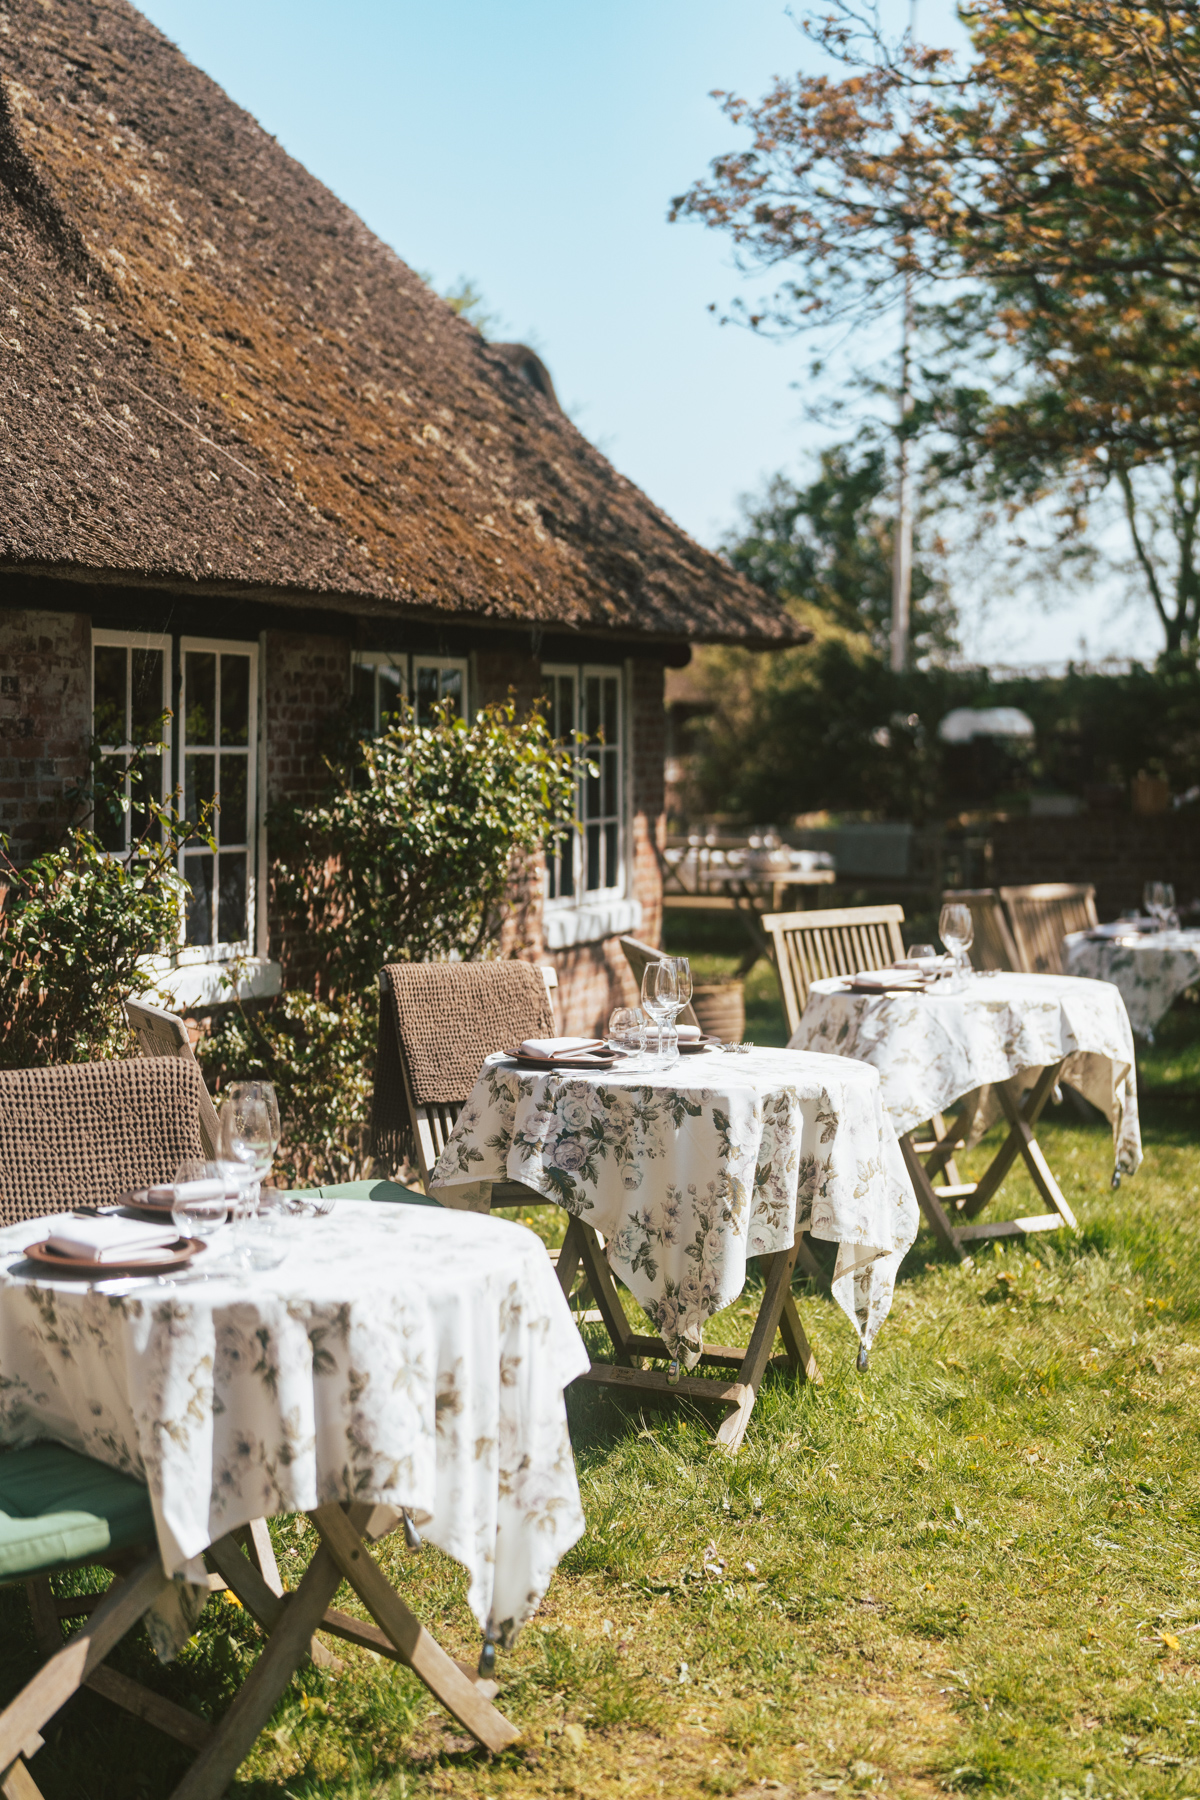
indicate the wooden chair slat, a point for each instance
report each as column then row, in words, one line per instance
column 812, row 946
column 1041, row 915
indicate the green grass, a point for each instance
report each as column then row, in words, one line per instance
column 972, row 1570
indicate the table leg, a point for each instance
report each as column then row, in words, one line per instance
column 754, row 1363
column 927, row 1198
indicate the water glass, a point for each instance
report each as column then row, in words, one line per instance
column 202, row 1206
column 1158, row 898
column 627, row 1028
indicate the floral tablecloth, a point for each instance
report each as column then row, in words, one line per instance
column 1150, row 971
column 687, row 1171
column 399, row 1355
column 933, row 1048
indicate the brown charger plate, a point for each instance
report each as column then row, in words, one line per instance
column 177, row 1257
column 695, row 1046
column 592, row 1061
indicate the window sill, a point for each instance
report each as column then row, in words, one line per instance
column 205, row 984
column 565, row 926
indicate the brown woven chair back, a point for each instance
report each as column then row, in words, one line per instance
column 86, row 1132
column 437, row 1022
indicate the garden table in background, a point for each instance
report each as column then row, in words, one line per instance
column 399, row 1358
column 1000, row 1046
column 1149, row 969
column 689, row 1170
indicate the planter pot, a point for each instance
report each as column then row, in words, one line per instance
column 720, row 1009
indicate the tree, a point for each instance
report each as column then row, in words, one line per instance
column 826, row 549
column 1055, row 183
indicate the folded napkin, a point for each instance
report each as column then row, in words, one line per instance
column 877, row 980
column 689, row 1034
column 545, row 1048
column 110, row 1240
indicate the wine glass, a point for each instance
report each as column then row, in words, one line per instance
column 956, row 928
column 683, row 980
column 201, row 1205
column 249, row 1136
column 660, row 995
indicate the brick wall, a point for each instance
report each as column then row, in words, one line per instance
column 45, row 721
column 307, row 683
column 1116, row 851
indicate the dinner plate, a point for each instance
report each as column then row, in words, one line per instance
column 174, row 1256
column 695, row 1046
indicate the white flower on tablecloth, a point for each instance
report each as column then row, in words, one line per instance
column 574, row 1112
column 569, row 1154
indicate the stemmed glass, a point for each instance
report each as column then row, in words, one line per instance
column 249, row 1139
column 660, row 997
column 956, row 928
column 627, row 1029
column 683, row 981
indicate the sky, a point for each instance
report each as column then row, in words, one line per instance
column 534, row 147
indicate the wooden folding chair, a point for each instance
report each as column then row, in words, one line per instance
column 638, row 955
column 813, row 946
column 161, row 1033
column 1042, row 915
column 993, row 945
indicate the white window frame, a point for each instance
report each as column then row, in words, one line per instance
column 136, row 640
column 589, row 899
column 406, row 663
column 188, row 955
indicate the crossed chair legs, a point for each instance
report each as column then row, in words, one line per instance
column 289, row 1620
column 582, row 1251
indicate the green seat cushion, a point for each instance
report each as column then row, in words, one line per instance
column 58, row 1507
column 378, row 1190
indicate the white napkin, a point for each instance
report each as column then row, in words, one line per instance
column 887, row 978
column 689, row 1034
column 563, row 1046
column 110, row 1240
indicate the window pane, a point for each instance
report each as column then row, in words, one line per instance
column 593, row 858
column 235, row 699
column 145, row 785
column 232, row 824
column 427, row 693
column 592, row 719
column 111, row 819
column 452, row 683
column 199, row 785
column 611, row 724
column 609, row 765
column 147, row 696
column 566, row 864
column 612, row 867
column 108, row 720
column 393, row 688
column 231, row 912
column 591, row 790
column 563, row 691
column 364, row 698
column 200, row 679
column 198, row 873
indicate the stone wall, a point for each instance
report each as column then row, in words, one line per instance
column 45, row 722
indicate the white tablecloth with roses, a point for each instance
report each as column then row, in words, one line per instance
column 1149, row 970
column 687, row 1171
column 399, row 1355
column 935, row 1047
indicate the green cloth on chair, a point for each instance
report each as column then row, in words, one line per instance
column 58, row 1507
column 378, row 1190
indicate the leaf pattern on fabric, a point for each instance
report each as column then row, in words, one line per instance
column 399, row 1355
column 932, row 1049
column 1149, row 972
column 689, row 1171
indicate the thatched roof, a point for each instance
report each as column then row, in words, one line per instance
column 211, row 373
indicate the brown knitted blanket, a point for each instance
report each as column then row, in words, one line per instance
column 437, row 1022
column 86, row 1132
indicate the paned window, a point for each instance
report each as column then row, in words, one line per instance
column 131, row 693
column 586, row 863
column 382, row 678
column 218, row 735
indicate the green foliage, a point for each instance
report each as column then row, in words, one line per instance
column 413, row 857
column 828, row 546
column 76, row 923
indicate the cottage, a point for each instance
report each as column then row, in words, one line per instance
column 251, row 468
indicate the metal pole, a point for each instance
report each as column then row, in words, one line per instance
column 902, row 554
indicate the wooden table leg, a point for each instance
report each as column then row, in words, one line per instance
column 758, row 1351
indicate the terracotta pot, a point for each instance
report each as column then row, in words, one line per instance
column 720, row 1009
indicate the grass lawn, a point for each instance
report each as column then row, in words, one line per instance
column 973, row 1569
